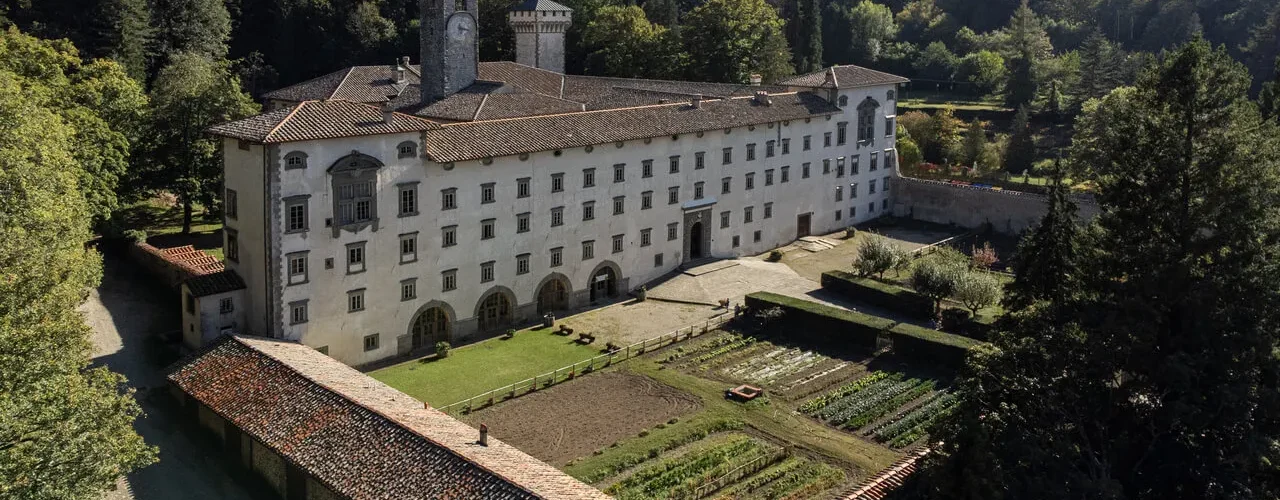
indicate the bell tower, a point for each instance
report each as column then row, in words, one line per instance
column 450, row 53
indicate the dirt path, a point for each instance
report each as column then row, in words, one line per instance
column 126, row 313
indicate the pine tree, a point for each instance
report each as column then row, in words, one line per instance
column 1100, row 69
column 1046, row 265
column 811, row 42
column 1026, row 45
column 975, row 140
column 1020, row 156
column 124, row 33
column 196, row 26
column 1269, row 97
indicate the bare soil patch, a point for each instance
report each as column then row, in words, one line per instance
column 573, row 419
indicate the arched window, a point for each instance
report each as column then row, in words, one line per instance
column 844, row 101
column 889, row 95
column 355, row 188
column 867, row 119
column 407, row 149
column 295, row 159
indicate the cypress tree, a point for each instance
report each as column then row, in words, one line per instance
column 1045, row 264
column 1020, row 156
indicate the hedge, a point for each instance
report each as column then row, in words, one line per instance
column 883, row 295
column 815, row 322
column 922, row 344
column 820, row 323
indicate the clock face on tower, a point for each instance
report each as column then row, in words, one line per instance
column 461, row 27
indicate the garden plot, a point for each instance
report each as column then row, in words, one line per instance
column 890, row 407
column 775, row 364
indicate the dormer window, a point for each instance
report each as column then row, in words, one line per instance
column 407, row 149
column 296, row 159
column 844, row 101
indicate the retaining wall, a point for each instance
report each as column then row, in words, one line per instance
column 1008, row 212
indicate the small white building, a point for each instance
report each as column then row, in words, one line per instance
column 369, row 220
column 211, row 307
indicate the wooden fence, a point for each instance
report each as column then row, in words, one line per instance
column 545, row 380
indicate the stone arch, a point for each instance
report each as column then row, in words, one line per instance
column 548, row 298
column 425, row 329
column 495, row 309
column 355, row 162
column 606, row 287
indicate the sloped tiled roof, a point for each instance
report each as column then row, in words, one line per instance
column 527, row 5
column 214, row 283
column 879, row 486
column 476, row 140
column 355, row 435
column 367, row 84
column 526, row 77
column 847, row 76
column 311, row 120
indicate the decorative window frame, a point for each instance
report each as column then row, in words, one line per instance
column 354, row 169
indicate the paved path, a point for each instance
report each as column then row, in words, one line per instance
column 125, row 314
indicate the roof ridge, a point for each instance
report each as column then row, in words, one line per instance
column 609, row 110
column 345, row 397
column 350, row 69
column 476, row 116
column 284, row 120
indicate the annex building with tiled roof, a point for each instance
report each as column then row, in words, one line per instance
column 377, row 210
column 314, row 428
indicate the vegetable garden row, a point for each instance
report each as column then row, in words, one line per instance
column 888, row 407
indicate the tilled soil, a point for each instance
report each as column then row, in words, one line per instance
column 573, row 419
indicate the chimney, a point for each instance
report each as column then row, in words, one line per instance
column 484, row 435
column 755, row 79
column 696, row 101
column 762, row 97
column 400, row 68
column 388, row 115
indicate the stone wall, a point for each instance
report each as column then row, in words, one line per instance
column 1008, row 212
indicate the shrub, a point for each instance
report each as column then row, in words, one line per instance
column 442, row 349
column 923, row 344
column 875, row 256
column 935, row 277
column 774, row 256
column 879, row 294
column 954, row 319
column 977, row 290
column 135, row 235
column 983, row 258
column 821, row 323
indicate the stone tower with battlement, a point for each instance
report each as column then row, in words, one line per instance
column 450, row 54
column 540, row 26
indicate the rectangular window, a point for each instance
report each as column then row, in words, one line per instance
column 619, row 205
column 726, row 156
column 522, row 222
column 448, row 236
column 871, row 207
column 646, row 169
column 370, row 342
column 699, row 160
column 751, row 152
column 522, row 263
column 355, row 300
column 557, row 256
column 888, row 126
column 875, row 160
column 768, row 210
column 522, row 187
column 617, row 243
column 842, row 133
column 409, row 289
column 838, row 212
column 736, row 241
column 408, row 247
column 295, row 214
column 751, row 181
column 839, row 193
column 724, row 219
column 408, row 199
column 853, row 163
column 755, row 237
column 231, row 204
column 769, row 149
column 646, row 237
column 487, row 193
column 746, row 215
column 226, row 305
column 884, row 204
column 786, row 174
column 826, row 139
column 588, row 250
column 588, row 177
column 768, row 177
column 675, row 164
column 826, row 166
column 853, row 190
column 725, row 183
column 673, row 231
column 297, row 268
column 486, row 272
column 884, row 184
column 355, row 257
column 840, row 167
column 449, row 199
column 808, row 142
column 619, row 173
column 786, row 146
column 673, row 195
column 588, row 210
column 449, row 280
column 298, row 312
column 804, row 170
column 355, row 202
column 657, row 260
column 557, row 216
column 871, row 186
column 487, row 230
column 646, row 200
column 853, row 212
column 698, row 190
column 890, row 161
column 557, row 183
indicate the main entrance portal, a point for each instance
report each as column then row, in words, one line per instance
column 695, row 241
column 495, row 312
column 553, row 296
column 802, row 225
column 604, row 284
column 429, row 327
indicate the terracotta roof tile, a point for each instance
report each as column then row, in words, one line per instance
column 847, row 76
column 310, row 120
column 526, row 77
column 357, row 436
column 214, row 283
column 528, row 5
column 476, row 140
column 879, row 486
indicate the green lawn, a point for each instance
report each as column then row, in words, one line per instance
column 491, row 364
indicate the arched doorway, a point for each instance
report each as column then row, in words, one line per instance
column 604, row 284
column 553, row 294
column 695, row 241
column 494, row 311
column 430, row 325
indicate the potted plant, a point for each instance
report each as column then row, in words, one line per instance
column 442, row 349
